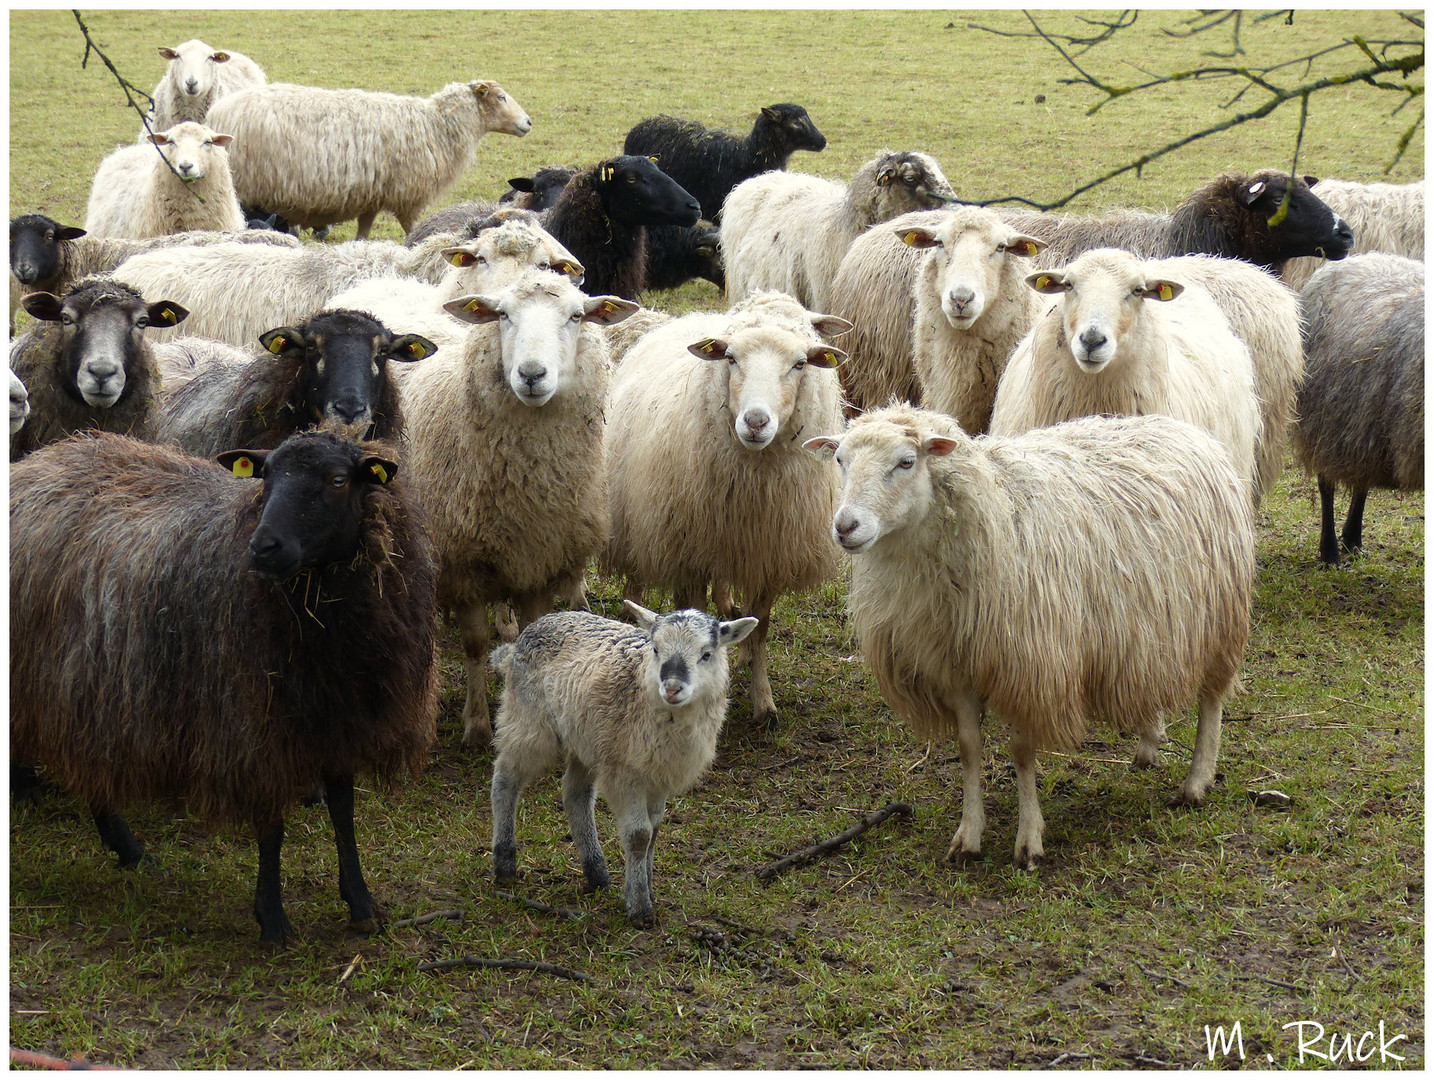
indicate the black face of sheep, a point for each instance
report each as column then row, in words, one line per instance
column 539, row 191
column 313, row 503
column 35, row 247
column 345, row 354
column 1309, row 228
column 636, row 192
column 102, row 324
column 791, row 125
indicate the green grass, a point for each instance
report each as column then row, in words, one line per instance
column 1145, row 924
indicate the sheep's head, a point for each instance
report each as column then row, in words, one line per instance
column 792, row 126
column 906, row 181
column 635, row 191
column 976, row 258
column 191, row 67
column 539, row 191
column 686, row 662
column 500, row 112
column 191, row 149
column 1248, row 209
column 1105, row 292
column 35, row 253
column 502, row 253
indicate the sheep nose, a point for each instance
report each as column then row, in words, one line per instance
column 102, row 370
column 532, row 374
column 756, row 420
column 1344, row 232
column 349, row 408
column 960, row 298
column 191, row 86
column 845, row 524
column 1092, row 339
column 672, row 690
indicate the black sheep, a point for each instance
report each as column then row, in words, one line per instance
column 228, row 642
column 677, row 254
column 539, row 191
column 710, row 163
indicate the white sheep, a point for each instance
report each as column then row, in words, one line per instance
column 197, row 77
column 174, row 181
column 788, row 231
column 633, row 714
column 181, row 359
column 1124, row 339
column 1098, row 568
column 19, row 403
column 708, row 483
column 318, row 156
column 1385, row 217
column 505, row 455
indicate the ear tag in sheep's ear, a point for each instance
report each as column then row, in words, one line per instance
column 379, row 472
column 911, row 238
column 652, row 158
column 472, row 305
column 167, row 314
column 278, row 343
column 883, row 179
column 461, row 258
column 568, row 268
column 415, row 350
column 1165, row 292
column 607, row 172
column 243, row 466
column 1026, row 248
column 1043, row 282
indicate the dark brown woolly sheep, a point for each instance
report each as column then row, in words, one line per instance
column 86, row 365
column 191, row 635
column 677, row 254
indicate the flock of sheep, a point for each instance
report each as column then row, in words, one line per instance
column 250, row 471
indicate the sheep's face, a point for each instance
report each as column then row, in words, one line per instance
column 500, row 112
column 766, row 371
column 539, row 191
column 686, row 662
column 976, row 259
column 192, row 150
column 635, row 191
column 312, row 513
column 909, row 181
column 101, row 340
column 791, row 125
column 1309, row 228
column 19, row 403
column 886, row 480
column 191, row 67
column 502, row 254
column 35, row 247
column 1105, row 293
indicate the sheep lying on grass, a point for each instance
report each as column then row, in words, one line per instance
column 180, row 183
column 233, row 643
column 1101, row 567
column 197, row 77
column 633, row 714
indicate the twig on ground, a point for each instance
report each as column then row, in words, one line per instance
column 1272, row 982
column 1069, row 1056
column 455, row 913
column 533, row 905
column 1166, row 978
column 782, row 764
column 507, row 965
column 871, row 820
column 1141, row 1059
column 350, row 969
column 1352, row 973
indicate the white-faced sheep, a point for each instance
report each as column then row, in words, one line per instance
column 197, row 77
column 789, row 231
column 708, row 481
column 1361, row 408
column 229, row 642
column 87, row 364
column 1098, row 568
column 1125, row 339
column 632, row 713
column 19, row 403
column 177, row 180
column 505, row 455
column 321, row 156
column 1385, row 217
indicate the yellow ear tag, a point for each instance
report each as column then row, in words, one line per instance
column 653, row 160
column 472, row 305
column 911, row 238
column 460, row 258
column 830, row 357
column 243, row 466
column 278, row 344
column 607, row 172
column 569, row 269
column 608, row 305
column 167, row 315
column 417, row 351
column 1029, row 248
column 1043, row 282
column 1166, row 292
column 380, row 472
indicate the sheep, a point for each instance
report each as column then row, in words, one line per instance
column 676, row 255
column 87, row 364
column 601, row 217
column 1361, row 408
column 180, row 183
column 461, row 221
column 1227, row 215
column 332, row 370
column 536, row 193
column 707, row 481
column 789, row 231
column 320, row 156
column 180, row 360
column 633, row 713
column 710, row 163
column 1126, row 339
column 505, row 455
column 197, row 76
column 229, row 642
column 1385, row 217
column 19, row 403
column 1103, row 566
column 539, row 191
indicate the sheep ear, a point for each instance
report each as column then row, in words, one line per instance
column 167, row 313
column 825, row 356
column 411, row 347
column 69, row 232
column 459, row 256
column 709, row 349
column 1027, row 247
column 1310, row 180
column 158, row 138
column 917, row 237
column 644, row 618
column 571, row 269
column 377, row 470
column 829, row 325
column 606, row 310
column 729, row 633
column 43, row 306
column 884, row 177
column 220, row 58
column 481, row 88
column 771, row 113
column 606, row 171
column 823, row 447
column 1252, row 192
column 938, row 445
column 1161, row 290
column 522, row 183
column 472, row 309
column 1048, row 282
column 244, row 463
column 168, row 53
column 281, row 340
column 221, row 140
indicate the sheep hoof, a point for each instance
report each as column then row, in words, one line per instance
column 369, row 925
column 956, row 855
column 478, row 736
column 276, row 932
column 1187, row 797
column 1142, row 762
column 765, row 718
column 1028, row 859
column 642, row 920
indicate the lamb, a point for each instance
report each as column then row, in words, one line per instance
column 19, row 403
column 197, row 77
column 332, row 370
column 1361, row 409
column 710, row 163
column 229, row 642
column 631, row 713
column 87, row 365
column 539, row 191
column 536, row 193
column 676, row 255
column 1385, row 217
column 505, row 452
column 1126, row 339
column 789, row 231
column 708, row 484
column 320, row 156
column 184, row 185
column 1100, row 567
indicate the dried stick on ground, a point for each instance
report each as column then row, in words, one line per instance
column 507, row 965
column 871, row 820
column 534, row 905
column 455, row 913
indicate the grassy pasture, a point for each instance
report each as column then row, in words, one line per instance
column 1144, row 926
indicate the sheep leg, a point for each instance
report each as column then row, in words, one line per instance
column 966, row 844
column 268, row 905
column 473, row 623
column 26, row 785
column 364, row 914
column 689, row 594
column 115, row 834
column 722, row 601
column 764, row 706
column 533, row 606
column 507, row 787
column 1328, row 545
column 1030, row 825
column 1207, row 749
column 365, row 224
column 1352, row 539
column 634, row 828
column 1147, row 754
column 579, row 798
column 656, row 809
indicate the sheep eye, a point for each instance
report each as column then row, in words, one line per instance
column 66, row 319
column 706, row 655
column 340, row 481
column 632, row 179
column 577, row 316
column 908, row 462
column 49, row 236
column 142, row 321
column 481, row 260
column 800, row 364
column 545, row 265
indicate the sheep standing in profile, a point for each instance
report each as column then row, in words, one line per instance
column 1098, row 568
column 1385, row 217
column 197, row 77
column 1361, row 408
column 633, row 714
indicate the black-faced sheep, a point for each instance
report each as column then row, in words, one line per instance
column 197, row 77
column 676, row 255
column 539, row 191
column 176, row 180
column 710, row 163
column 633, row 714
column 1098, row 568
column 321, row 156
column 789, row 231
column 187, row 634
column 87, row 364
column 1361, row 408
column 1385, row 217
